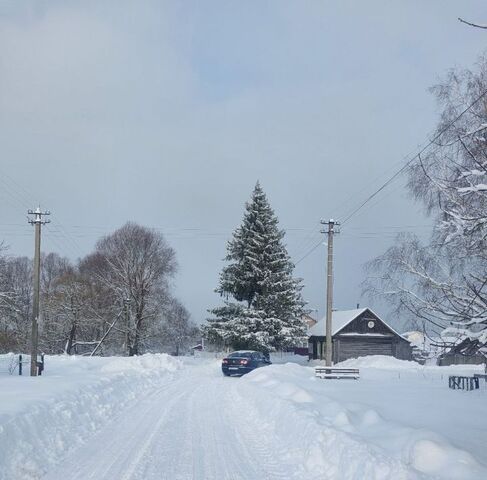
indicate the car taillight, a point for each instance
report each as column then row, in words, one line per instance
column 224, row 360
column 244, row 362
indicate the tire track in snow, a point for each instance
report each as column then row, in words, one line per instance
column 266, row 448
column 226, row 457
column 186, row 430
column 114, row 451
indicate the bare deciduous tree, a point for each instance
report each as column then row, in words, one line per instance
column 178, row 329
column 136, row 263
column 444, row 282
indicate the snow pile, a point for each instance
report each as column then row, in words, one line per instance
column 340, row 430
column 399, row 421
column 288, row 357
column 142, row 364
column 379, row 361
column 382, row 367
column 43, row 418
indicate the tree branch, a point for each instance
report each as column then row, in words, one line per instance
column 472, row 24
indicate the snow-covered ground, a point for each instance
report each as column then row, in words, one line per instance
column 44, row 418
column 159, row 417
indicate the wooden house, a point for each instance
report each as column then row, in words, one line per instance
column 357, row 333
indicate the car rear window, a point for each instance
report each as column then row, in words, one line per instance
column 240, row 354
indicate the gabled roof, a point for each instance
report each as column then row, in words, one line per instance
column 341, row 318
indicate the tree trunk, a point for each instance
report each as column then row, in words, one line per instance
column 138, row 323
column 71, row 338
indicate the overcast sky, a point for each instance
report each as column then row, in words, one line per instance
column 167, row 113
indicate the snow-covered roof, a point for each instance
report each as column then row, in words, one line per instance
column 415, row 337
column 340, row 319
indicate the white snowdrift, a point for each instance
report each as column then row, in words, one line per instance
column 379, row 361
column 43, row 418
column 390, row 363
column 341, row 430
column 399, row 421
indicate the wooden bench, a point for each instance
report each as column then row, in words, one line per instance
column 337, row 372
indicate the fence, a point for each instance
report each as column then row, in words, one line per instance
column 458, row 359
column 463, row 383
column 19, row 364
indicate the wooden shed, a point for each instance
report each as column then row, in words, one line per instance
column 357, row 333
column 466, row 352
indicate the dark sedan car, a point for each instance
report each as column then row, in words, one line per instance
column 244, row 361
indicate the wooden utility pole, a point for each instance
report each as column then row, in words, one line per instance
column 37, row 221
column 329, row 291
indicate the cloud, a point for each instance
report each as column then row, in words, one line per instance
column 167, row 112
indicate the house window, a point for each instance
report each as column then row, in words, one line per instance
column 369, row 324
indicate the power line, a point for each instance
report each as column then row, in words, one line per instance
column 22, row 197
column 402, row 169
column 416, row 156
column 344, row 206
column 309, row 252
column 306, row 242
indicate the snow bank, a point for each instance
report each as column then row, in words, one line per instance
column 288, row 357
column 155, row 363
column 341, row 431
column 43, row 418
column 385, row 362
column 379, row 361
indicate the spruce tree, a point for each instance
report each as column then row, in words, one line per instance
column 263, row 304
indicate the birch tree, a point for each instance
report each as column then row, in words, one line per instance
column 445, row 281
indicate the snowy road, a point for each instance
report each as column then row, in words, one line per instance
column 275, row 423
column 181, row 431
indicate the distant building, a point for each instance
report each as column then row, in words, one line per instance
column 301, row 346
column 358, row 333
column 423, row 349
column 466, row 352
column 308, row 320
